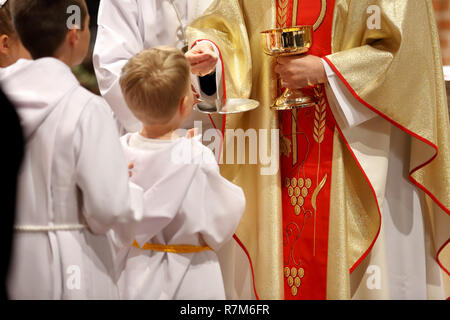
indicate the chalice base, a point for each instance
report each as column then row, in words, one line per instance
column 293, row 99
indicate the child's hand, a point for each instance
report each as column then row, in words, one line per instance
column 130, row 168
column 196, row 95
column 192, row 133
column 202, row 58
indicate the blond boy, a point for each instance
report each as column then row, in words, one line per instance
column 195, row 210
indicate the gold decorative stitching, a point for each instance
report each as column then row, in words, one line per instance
column 282, row 13
column 323, row 11
column 294, row 278
column 320, row 119
column 316, row 192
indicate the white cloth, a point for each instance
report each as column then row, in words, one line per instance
column 74, row 173
column 446, row 73
column 189, row 203
column 350, row 110
column 125, row 28
column 401, row 264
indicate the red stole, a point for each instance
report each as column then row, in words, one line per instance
column 306, row 159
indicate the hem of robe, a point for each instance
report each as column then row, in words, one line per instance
column 415, row 182
column 239, row 242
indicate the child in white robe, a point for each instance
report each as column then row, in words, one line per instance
column 74, row 184
column 11, row 48
column 194, row 209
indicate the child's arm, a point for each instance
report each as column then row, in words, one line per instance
column 222, row 203
column 108, row 199
column 118, row 39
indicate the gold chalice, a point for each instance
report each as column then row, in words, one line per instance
column 288, row 42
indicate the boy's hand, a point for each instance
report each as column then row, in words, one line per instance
column 202, row 58
column 300, row 71
column 191, row 133
column 130, row 168
column 196, row 95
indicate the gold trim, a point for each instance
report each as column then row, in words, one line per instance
column 172, row 248
column 323, row 11
column 294, row 112
column 294, row 137
column 294, row 13
column 318, row 23
column 317, row 190
column 282, row 13
column 320, row 121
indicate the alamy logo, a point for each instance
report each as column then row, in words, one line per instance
column 74, row 20
column 374, row 20
column 73, row 281
column 374, row 279
column 250, row 147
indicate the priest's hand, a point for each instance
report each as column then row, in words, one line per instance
column 203, row 59
column 298, row 72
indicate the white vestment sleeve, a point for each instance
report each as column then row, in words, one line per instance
column 118, row 39
column 346, row 107
column 102, row 174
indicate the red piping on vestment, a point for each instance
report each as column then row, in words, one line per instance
column 416, row 183
column 364, row 255
column 250, row 261
column 224, row 121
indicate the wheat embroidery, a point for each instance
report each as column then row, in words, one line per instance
column 320, row 119
column 282, row 13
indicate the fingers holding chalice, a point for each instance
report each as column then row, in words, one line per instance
column 298, row 72
column 289, row 46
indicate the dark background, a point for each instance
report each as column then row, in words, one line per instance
column 93, row 12
column 14, row 145
column 85, row 72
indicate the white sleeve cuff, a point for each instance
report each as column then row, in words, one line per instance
column 343, row 103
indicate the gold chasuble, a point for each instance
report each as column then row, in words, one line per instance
column 308, row 227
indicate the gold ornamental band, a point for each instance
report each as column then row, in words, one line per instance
column 323, row 10
column 172, row 248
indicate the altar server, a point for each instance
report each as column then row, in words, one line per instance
column 73, row 186
column 11, row 49
column 194, row 209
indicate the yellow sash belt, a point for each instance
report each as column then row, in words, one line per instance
column 172, row 248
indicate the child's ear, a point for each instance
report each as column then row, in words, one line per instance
column 73, row 37
column 183, row 105
column 4, row 44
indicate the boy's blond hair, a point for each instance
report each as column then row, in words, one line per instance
column 154, row 82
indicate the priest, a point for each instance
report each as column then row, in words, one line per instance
column 125, row 28
column 360, row 206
